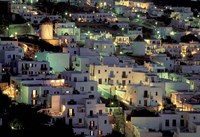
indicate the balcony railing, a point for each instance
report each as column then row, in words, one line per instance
column 124, row 76
column 111, row 75
column 43, row 69
column 70, row 115
column 35, row 96
column 146, row 96
column 92, row 127
column 44, row 95
column 25, row 68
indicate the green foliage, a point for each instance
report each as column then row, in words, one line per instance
column 115, row 27
column 16, row 124
column 28, row 116
column 24, row 120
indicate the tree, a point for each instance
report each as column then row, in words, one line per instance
column 115, row 27
column 27, row 115
column 189, row 38
column 5, row 102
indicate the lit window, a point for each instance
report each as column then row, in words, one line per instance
column 100, row 132
column 34, row 93
column 92, row 123
column 91, row 133
column 104, row 46
column 70, row 112
column 34, row 102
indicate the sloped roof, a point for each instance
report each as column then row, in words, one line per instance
column 139, row 38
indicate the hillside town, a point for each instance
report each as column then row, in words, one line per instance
column 103, row 68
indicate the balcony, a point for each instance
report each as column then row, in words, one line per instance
column 92, row 127
column 124, row 76
column 110, row 82
column 35, row 96
column 70, row 115
column 146, row 96
column 44, row 95
column 111, row 75
column 25, row 68
column 43, row 69
column 71, row 102
column 92, row 116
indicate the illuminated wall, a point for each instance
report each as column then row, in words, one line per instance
column 59, row 62
column 19, row 29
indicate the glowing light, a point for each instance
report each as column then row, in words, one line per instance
column 172, row 33
column 63, row 108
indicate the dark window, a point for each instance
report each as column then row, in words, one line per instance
column 182, row 123
column 145, row 94
column 80, row 120
column 85, row 78
column 167, row 123
column 105, row 121
column 75, row 79
column 92, row 88
column 174, row 123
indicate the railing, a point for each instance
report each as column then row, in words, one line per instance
column 124, row 76
column 111, row 75
column 35, row 96
column 44, row 95
column 92, row 127
column 43, row 69
column 146, row 96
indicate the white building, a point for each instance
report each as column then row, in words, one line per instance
column 35, row 90
column 67, row 29
column 20, row 8
column 80, row 81
column 32, row 67
column 168, row 120
column 113, row 75
column 9, row 52
column 153, row 46
column 173, row 49
column 135, row 33
column 8, row 41
column 153, row 67
column 105, row 48
column 143, row 95
column 89, row 17
column 164, row 60
column 189, row 133
column 139, row 46
column 36, row 19
column 59, row 62
column 84, row 112
column 162, row 32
